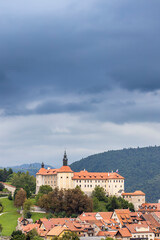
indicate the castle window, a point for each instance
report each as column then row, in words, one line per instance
column 96, row 181
column 80, row 185
column 88, row 186
column 84, row 185
column 77, row 180
column 90, row 180
column 61, row 177
column 115, row 185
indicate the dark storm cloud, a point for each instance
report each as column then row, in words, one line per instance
column 80, row 47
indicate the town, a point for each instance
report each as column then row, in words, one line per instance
column 138, row 220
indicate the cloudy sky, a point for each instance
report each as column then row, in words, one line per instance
column 77, row 75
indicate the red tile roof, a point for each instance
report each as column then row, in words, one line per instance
column 149, row 207
column 124, row 232
column 96, row 175
column 136, row 193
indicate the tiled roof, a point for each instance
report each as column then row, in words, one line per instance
column 44, row 171
column 151, row 221
column 64, row 169
column 96, row 175
column 106, row 233
column 149, row 207
column 124, row 232
column 86, row 216
column 123, row 216
column 106, row 215
column 56, row 231
column 136, row 228
column 136, row 193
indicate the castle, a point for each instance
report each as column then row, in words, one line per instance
column 65, row 178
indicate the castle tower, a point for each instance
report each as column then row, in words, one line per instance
column 65, row 160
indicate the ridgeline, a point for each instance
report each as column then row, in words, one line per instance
column 139, row 166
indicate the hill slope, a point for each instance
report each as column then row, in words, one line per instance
column 139, row 166
column 32, row 168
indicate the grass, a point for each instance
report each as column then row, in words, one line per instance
column 36, row 216
column 9, row 218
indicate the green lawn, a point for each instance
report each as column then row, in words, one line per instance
column 36, row 216
column 9, row 218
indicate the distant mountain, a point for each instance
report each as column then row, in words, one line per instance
column 31, row 168
column 139, row 166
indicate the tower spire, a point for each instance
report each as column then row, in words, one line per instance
column 65, row 160
column 42, row 165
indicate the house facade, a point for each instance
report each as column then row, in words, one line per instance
column 65, row 178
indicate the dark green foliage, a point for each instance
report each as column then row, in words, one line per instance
column 1, row 187
column 22, row 180
column 49, row 215
column 5, row 174
column 18, row 235
column 1, row 207
column 45, row 189
column 31, row 235
column 28, row 190
column 67, row 236
column 99, row 193
column 66, row 202
column 1, row 228
column 139, row 166
column 10, row 196
column 111, row 203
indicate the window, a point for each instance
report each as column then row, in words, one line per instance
column 84, row 185
column 79, row 180
column 67, row 177
column 61, row 177
column 80, row 185
column 90, row 185
column 115, row 185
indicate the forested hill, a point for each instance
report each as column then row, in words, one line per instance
column 139, row 166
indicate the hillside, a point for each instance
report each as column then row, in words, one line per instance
column 32, row 168
column 139, row 166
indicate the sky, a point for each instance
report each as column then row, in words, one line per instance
column 77, row 75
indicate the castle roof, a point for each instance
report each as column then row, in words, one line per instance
column 136, row 193
column 64, row 169
column 96, row 175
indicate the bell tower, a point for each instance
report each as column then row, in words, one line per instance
column 65, row 160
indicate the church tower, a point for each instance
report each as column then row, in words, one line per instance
column 65, row 160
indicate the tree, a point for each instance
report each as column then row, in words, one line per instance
column 20, row 198
column 1, row 207
column 1, row 187
column 66, row 202
column 27, row 208
column 20, row 180
column 18, row 235
column 99, row 193
column 70, row 236
column 32, row 235
column 10, row 196
column 28, row 191
column 45, row 189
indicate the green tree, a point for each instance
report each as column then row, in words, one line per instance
column 20, row 180
column 18, row 235
column 32, row 235
column 45, row 189
column 1, row 207
column 1, row 186
column 70, row 236
column 27, row 208
column 28, row 191
column 99, row 193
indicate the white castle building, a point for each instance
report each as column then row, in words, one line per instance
column 65, row 178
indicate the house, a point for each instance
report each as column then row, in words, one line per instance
column 57, row 231
column 149, row 207
column 123, row 234
column 140, row 231
column 122, row 217
column 137, row 198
